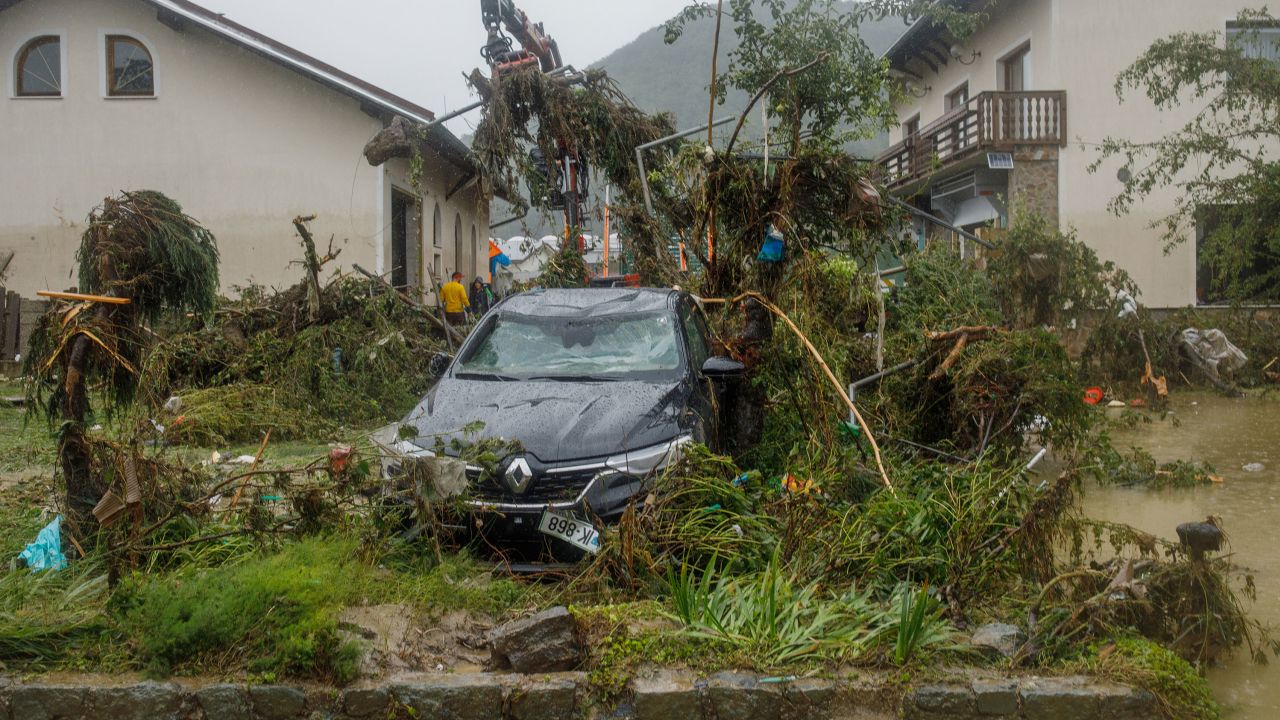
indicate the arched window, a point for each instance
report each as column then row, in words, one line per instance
column 130, row 71
column 475, row 248
column 39, row 68
column 457, row 244
column 437, row 229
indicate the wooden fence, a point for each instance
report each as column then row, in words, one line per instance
column 18, row 319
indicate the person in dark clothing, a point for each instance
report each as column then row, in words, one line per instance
column 480, row 297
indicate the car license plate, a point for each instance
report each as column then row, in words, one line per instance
column 579, row 533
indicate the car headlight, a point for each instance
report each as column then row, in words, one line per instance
column 647, row 460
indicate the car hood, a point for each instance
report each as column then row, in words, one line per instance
column 553, row 421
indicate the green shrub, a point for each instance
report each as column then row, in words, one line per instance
column 1183, row 691
column 275, row 614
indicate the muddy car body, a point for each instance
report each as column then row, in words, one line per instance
column 598, row 387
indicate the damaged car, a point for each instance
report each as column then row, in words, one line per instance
column 596, row 389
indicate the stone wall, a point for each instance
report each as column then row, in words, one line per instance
column 1033, row 182
column 663, row 695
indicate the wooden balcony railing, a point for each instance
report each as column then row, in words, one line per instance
column 991, row 121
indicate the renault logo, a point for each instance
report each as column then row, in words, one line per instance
column 518, row 476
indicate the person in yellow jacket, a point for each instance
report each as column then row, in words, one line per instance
column 454, row 297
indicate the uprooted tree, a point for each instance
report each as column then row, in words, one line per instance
column 145, row 259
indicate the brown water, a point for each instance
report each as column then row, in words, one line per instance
column 1228, row 434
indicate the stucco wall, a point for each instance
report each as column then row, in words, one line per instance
column 242, row 143
column 1080, row 46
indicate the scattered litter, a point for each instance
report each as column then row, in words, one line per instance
column 173, row 404
column 1254, row 467
column 241, row 460
column 215, row 458
column 45, row 553
column 1093, row 395
column 1212, row 352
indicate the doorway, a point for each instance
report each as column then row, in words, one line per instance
column 404, row 240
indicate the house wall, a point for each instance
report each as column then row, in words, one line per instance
column 1080, row 46
column 241, row 142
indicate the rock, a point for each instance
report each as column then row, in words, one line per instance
column 146, row 701
column 276, row 702
column 48, row 702
column 954, row 701
column 808, row 699
column 452, row 697
column 1001, row 637
column 996, row 697
column 546, row 700
column 546, row 642
column 1060, row 699
column 742, row 697
column 1254, row 467
column 224, row 702
column 664, row 696
column 369, row 702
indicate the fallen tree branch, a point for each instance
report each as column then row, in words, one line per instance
column 426, row 312
column 866, row 430
column 952, row 358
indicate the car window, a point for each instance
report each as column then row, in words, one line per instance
column 695, row 335
column 640, row 346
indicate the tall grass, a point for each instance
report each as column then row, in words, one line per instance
column 773, row 616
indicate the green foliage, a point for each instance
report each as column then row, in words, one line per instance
column 918, row 626
column 1184, row 692
column 1139, row 467
column 935, row 529
column 774, row 615
column 280, row 611
column 1044, row 276
column 262, row 363
column 565, row 269
column 1221, row 161
column 844, row 91
column 47, row 615
column 942, row 291
column 142, row 246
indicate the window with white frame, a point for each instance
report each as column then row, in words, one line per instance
column 1260, row 41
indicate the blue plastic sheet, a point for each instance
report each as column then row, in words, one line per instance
column 46, row 552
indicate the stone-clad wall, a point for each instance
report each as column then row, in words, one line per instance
column 664, row 695
column 1033, row 183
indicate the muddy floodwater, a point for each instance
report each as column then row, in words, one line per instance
column 1229, row 434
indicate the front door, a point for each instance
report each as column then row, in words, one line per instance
column 404, row 241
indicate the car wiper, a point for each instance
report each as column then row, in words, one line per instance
column 483, row 376
column 576, row 378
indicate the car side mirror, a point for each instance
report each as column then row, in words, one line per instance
column 439, row 364
column 722, row 369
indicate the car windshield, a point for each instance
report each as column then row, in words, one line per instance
column 641, row 346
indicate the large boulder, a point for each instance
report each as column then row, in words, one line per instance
column 546, row 642
column 1000, row 637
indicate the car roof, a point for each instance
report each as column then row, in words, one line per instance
column 589, row 302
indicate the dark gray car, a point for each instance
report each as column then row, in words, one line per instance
column 599, row 387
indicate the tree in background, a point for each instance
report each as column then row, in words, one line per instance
column 1222, row 161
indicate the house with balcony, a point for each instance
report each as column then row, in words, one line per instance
column 1009, row 120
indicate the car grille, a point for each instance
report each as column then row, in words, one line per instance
column 543, row 489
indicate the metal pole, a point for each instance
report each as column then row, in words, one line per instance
column 939, row 221
column 644, row 174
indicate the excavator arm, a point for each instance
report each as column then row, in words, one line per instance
column 535, row 44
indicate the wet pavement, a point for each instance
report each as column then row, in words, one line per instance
column 1229, row 434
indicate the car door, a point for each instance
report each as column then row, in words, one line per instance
column 703, row 400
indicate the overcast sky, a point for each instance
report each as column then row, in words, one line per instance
column 420, row 49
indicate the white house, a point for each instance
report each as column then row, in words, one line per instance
column 245, row 132
column 1011, row 119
